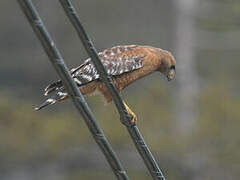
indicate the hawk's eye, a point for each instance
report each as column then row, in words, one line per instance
column 172, row 67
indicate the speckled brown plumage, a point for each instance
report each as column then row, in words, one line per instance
column 125, row 64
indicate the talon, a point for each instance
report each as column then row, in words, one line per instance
column 132, row 114
column 134, row 118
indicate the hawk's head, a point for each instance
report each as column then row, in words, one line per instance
column 167, row 65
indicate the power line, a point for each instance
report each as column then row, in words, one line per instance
column 71, row 87
column 125, row 118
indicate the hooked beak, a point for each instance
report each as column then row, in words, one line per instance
column 171, row 75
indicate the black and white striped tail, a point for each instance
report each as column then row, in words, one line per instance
column 56, row 87
column 46, row 103
column 58, row 97
column 53, row 87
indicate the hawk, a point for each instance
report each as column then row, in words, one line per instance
column 125, row 64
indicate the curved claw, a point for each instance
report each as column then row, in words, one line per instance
column 132, row 114
column 134, row 118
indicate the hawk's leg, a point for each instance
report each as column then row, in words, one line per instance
column 131, row 113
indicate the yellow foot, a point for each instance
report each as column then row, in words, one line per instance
column 131, row 113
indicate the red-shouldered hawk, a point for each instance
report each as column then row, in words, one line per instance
column 125, row 64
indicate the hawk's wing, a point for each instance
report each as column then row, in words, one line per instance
column 116, row 60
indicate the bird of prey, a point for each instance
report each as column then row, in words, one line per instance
column 125, row 64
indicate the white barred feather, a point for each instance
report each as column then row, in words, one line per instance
column 116, row 61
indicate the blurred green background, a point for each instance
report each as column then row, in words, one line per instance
column 191, row 124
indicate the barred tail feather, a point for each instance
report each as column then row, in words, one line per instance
column 59, row 97
column 46, row 103
column 52, row 87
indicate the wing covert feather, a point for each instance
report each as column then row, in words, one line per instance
column 116, row 60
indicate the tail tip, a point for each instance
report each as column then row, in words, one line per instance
column 46, row 103
column 37, row 108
